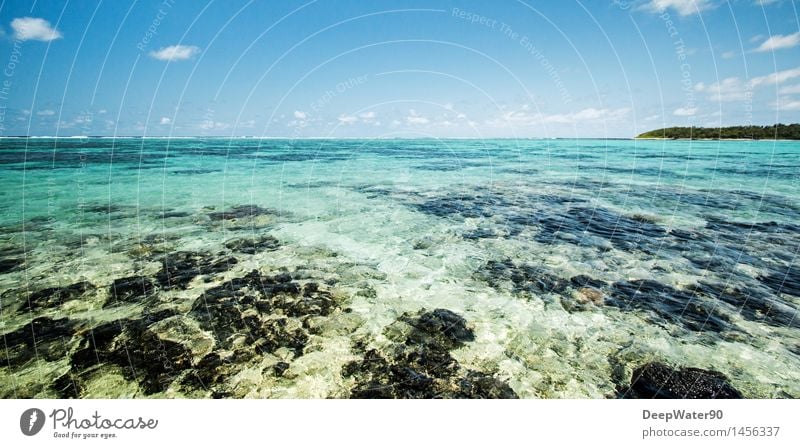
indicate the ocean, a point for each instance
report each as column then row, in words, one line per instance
column 214, row 267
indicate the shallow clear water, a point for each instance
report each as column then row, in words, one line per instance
column 571, row 263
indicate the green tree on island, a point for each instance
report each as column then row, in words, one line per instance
column 774, row 132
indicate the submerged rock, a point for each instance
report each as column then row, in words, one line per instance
column 262, row 308
column 53, row 297
column 135, row 349
column 42, row 338
column 253, row 245
column 241, row 211
column 440, row 326
column 582, row 281
column 480, row 385
column 166, row 214
column 180, row 268
column 622, row 232
column 524, row 278
column 280, row 368
column 784, row 280
column 752, row 304
column 670, row 304
column 205, row 373
column 657, row 380
column 11, row 264
column 129, row 289
column 422, row 366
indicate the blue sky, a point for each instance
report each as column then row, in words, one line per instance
column 336, row 68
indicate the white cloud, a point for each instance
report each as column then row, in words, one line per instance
column 776, row 78
column 368, row 117
column 348, row 119
column 729, row 55
column 729, row 89
column 46, row 112
column 31, row 28
column 684, row 111
column 779, row 41
column 175, row 53
column 789, row 89
column 210, row 125
column 787, row 104
column 417, row 120
column 590, row 114
column 165, row 120
column 414, row 118
column 766, row 2
column 734, row 89
column 683, row 7
column 756, row 38
column 300, row 120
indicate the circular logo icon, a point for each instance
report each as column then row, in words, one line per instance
column 31, row 421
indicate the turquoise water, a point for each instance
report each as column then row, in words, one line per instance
column 280, row 268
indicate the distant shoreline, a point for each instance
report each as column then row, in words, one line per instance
column 776, row 132
column 718, row 139
column 249, row 137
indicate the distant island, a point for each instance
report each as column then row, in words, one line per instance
column 774, row 132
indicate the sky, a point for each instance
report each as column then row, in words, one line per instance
column 395, row 69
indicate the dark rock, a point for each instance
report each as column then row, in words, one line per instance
column 11, row 264
column 656, row 380
column 129, row 289
column 101, row 208
column 739, row 228
column 583, row 281
column 43, row 338
column 241, row 211
column 141, row 355
column 180, row 268
column 280, row 368
column 785, row 280
column 752, row 304
column 433, row 360
column 422, row 366
column 228, row 310
column 672, row 305
column 253, row 245
column 439, row 326
column 154, row 362
column 622, row 232
column 273, row 334
column 53, row 297
column 524, row 278
column 373, row 374
column 480, row 385
column 66, row 386
column 173, row 214
column 207, row 372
